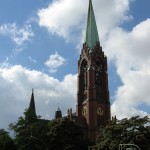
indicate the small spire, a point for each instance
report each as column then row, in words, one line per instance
column 32, row 102
column 92, row 36
column 58, row 113
column 58, row 109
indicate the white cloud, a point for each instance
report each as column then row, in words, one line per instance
column 63, row 17
column 54, row 62
column 32, row 60
column 132, row 57
column 67, row 18
column 110, row 13
column 16, row 91
column 18, row 35
column 5, row 63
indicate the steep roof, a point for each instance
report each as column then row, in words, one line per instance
column 91, row 30
column 32, row 103
column 58, row 113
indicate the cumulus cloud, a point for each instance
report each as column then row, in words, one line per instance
column 16, row 91
column 18, row 35
column 132, row 59
column 67, row 18
column 63, row 17
column 54, row 62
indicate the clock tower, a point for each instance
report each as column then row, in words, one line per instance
column 92, row 93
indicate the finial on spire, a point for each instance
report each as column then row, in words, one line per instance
column 32, row 90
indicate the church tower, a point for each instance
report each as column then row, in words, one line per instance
column 92, row 93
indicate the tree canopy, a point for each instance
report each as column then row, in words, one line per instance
column 6, row 142
column 66, row 134
column 34, row 133
column 31, row 132
column 125, row 131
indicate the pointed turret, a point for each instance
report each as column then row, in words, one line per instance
column 91, row 30
column 58, row 113
column 32, row 103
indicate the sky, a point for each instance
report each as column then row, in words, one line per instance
column 40, row 43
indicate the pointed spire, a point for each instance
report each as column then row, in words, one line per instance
column 58, row 109
column 58, row 113
column 91, row 29
column 32, row 103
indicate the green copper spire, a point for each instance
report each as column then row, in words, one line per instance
column 91, row 29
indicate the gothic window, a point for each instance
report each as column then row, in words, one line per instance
column 84, row 74
column 98, row 72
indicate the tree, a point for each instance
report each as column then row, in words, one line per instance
column 126, row 131
column 6, row 142
column 66, row 134
column 29, row 131
column 33, row 133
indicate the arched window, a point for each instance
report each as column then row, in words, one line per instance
column 84, row 67
column 98, row 72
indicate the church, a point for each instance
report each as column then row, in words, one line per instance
column 92, row 102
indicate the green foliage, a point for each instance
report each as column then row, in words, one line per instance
column 66, row 134
column 6, row 142
column 125, row 131
column 28, row 127
column 32, row 133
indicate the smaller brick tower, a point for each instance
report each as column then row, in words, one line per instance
column 93, row 94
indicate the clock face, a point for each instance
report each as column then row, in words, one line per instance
column 100, row 111
column 84, row 111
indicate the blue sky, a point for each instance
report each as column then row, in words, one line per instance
column 40, row 43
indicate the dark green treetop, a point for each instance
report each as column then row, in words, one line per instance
column 126, row 131
column 6, row 142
